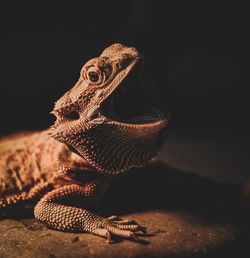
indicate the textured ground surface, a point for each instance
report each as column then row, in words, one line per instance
column 186, row 216
column 175, row 233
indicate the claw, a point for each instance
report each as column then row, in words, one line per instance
column 134, row 236
column 108, row 237
column 142, row 229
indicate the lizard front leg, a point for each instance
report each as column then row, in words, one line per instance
column 51, row 211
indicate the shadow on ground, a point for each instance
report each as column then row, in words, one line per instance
column 158, row 186
column 203, row 202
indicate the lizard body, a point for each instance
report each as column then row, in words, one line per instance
column 62, row 171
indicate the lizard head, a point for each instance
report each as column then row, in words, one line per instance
column 108, row 118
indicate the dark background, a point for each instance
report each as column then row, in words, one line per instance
column 197, row 54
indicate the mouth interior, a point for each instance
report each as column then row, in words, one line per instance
column 133, row 102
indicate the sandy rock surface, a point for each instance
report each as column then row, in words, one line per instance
column 185, row 216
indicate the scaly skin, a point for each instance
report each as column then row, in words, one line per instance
column 62, row 171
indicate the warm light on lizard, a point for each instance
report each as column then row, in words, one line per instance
column 106, row 124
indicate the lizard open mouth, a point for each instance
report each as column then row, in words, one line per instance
column 135, row 101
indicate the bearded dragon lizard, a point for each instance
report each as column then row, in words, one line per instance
column 105, row 125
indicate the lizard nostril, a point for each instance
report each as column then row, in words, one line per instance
column 72, row 115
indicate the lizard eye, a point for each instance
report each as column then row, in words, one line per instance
column 94, row 77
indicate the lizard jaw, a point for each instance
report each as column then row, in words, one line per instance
column 111, row 143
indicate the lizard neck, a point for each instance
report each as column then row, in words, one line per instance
column 68, row 161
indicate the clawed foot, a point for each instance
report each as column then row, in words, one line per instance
column 116, row 226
